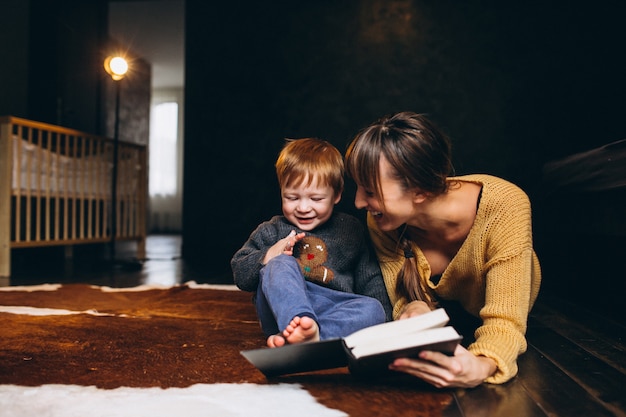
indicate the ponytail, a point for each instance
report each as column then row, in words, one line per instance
column 409, row 281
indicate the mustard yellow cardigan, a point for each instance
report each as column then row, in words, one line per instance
column 495, row 275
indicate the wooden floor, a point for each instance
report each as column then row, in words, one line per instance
column 575, row 364
column 91, row 264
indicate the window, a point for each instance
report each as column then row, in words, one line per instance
column 163, row 149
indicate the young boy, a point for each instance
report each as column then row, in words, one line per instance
column 312, row 270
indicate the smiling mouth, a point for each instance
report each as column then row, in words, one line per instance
column 376, row 214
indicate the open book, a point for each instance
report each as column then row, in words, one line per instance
column 366, row 351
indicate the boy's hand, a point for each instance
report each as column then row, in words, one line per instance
column 283, row 246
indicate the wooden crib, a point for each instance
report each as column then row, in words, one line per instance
column 56, row 188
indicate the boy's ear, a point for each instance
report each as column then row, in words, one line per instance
column 338, row 198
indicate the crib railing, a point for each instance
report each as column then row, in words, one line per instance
column 56, row 188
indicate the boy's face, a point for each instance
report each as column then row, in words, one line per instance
column 308, row 206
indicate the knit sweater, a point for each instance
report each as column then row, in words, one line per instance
column 494, row 276
column 350, row 256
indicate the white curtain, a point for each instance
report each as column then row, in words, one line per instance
column 166, row 156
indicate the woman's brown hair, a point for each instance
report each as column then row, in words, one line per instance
column 420, row 157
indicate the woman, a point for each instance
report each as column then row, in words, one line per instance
column 463, row 243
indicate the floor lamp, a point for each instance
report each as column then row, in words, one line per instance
column 116, row 67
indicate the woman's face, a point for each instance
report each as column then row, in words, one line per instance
column 398, row 207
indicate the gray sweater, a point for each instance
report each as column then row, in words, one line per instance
column 350, row 257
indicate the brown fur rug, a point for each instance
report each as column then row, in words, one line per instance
column 78, row 335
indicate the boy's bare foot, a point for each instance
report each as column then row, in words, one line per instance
column 299, row 330
column 302, row 329
column 276, row 340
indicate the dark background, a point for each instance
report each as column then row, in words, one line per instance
column 515, row 86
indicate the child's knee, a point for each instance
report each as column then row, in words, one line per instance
column 375, row 311
column 279, row 265
column 281, row 271
column 281, row 262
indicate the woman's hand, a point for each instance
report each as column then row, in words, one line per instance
column 414, row 308
column 284, row 246
column 463, row 370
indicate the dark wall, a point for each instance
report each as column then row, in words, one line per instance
column 52, row 66
column 13, row 77
column 56, row 51
column 514, row 85
column 66, row 39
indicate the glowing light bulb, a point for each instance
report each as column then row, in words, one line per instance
column 116, row 66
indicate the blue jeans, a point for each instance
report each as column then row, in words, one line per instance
column 283, row 293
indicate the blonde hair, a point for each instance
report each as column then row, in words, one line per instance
column 310, row 159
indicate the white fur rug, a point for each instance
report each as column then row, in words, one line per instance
column 223, row 400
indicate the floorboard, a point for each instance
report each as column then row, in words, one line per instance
column 601, row 336
column 510, row 399
column 554, row 391
column 605, row 384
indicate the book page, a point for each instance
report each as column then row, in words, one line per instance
column 406, row 341
column 393, row 329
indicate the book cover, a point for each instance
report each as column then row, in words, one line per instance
column 378, row 361
column 366, row 351
column 297, row 358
